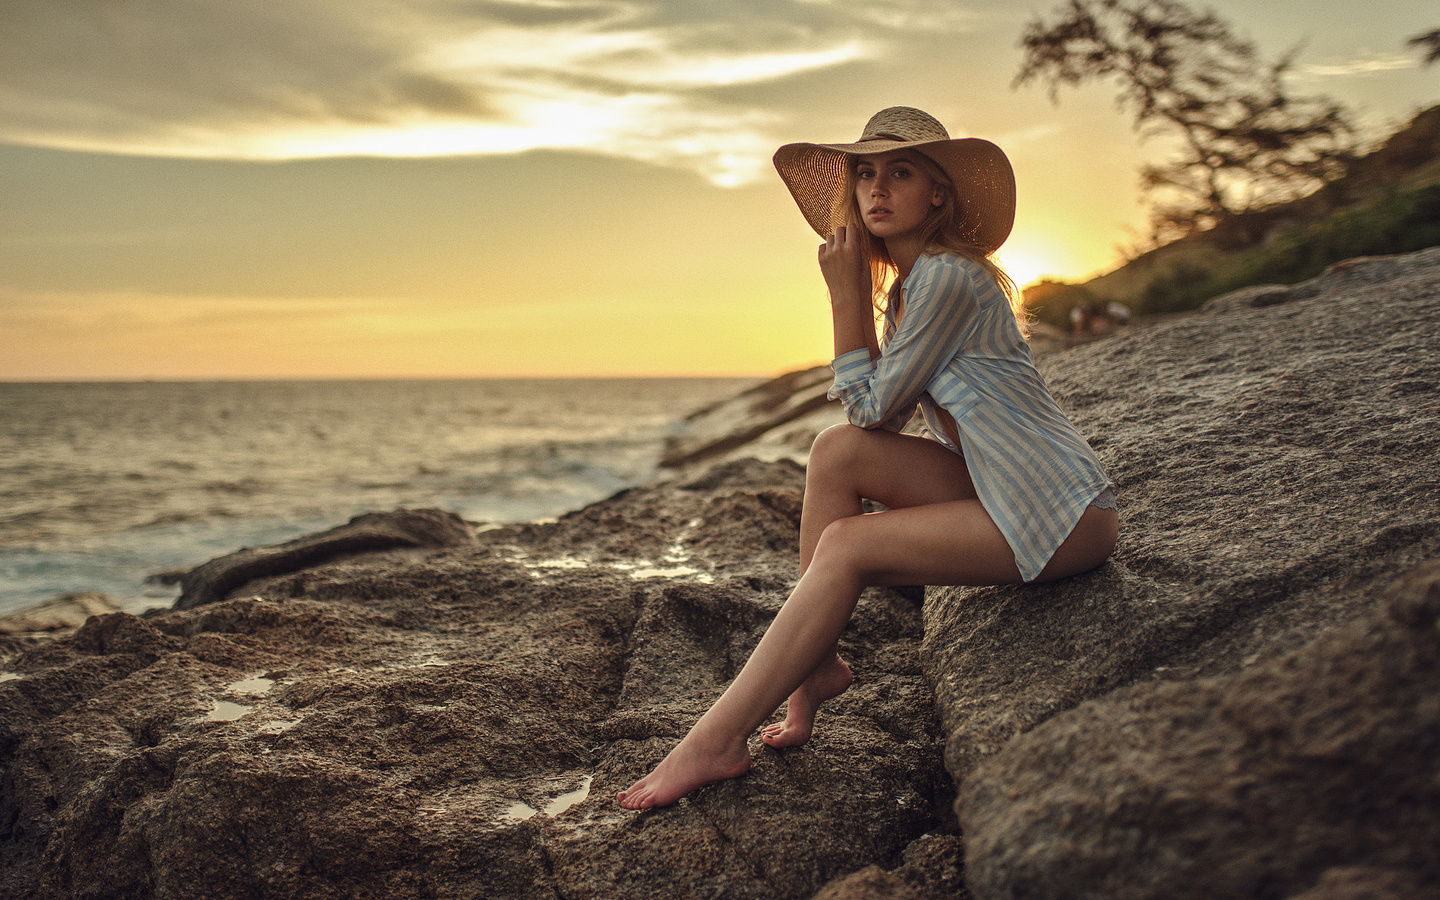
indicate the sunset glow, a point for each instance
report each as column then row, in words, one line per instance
column 568, row 187
column 1022, row 267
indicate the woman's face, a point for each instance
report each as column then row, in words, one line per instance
column 894, row 193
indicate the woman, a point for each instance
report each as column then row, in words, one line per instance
column 1000, row 489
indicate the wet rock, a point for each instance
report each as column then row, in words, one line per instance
column 362, row 534
column 68, row 611
column 774, row 420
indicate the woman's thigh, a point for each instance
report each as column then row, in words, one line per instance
column 935, row 531
column 1089, row 544
column 952, row 542
column 896, row 470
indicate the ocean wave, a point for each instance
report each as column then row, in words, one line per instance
column 106, row 484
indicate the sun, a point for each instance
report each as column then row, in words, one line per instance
column 1040, row 254
column 1023, row 266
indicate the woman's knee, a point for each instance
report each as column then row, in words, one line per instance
column 841, row 546
column 837, row 440
column 839, row 448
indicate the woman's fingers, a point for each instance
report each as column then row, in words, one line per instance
column 845, row 267
column 843, row 240
column 834, row 241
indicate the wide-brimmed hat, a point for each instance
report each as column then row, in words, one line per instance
column 816, row 174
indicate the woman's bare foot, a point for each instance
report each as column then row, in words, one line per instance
column 689, row 766
column 825, row 683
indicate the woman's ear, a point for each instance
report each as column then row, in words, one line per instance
column 937, row 197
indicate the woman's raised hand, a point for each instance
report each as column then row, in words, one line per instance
column 846, row 268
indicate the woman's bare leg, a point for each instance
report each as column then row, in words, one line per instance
column 848, row 464
column 943, row 542
column 843, row 468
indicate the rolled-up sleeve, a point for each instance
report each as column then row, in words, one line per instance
column 939, row 315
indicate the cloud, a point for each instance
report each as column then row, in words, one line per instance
column 257, row 79
column 1369, row 64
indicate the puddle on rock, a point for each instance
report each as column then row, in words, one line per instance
column 671, row 567
column 256, row 684
column 563, row 802
column 645, row 570
column 225, row 711
column 559, row 562
column 426, row 662
column 519, row 811
column 673, row 572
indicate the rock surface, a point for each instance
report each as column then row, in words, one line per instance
column 777, row 419
column 366, row 533
column 454, row 722
column 1243, row 702
column 64, row 612
column 1264, row 782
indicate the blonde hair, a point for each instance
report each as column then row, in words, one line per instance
column 941, row 232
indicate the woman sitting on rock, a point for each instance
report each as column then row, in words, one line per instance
column 1000, row 489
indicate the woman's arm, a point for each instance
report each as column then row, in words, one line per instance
column 941, row 312
column 847, row 275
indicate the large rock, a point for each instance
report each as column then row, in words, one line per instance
column 776, row 419
column 1277, row 472
column 367, row 533
column 1268, row 782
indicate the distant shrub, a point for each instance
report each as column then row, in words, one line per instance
column 1402, row 222
column 1186, row 286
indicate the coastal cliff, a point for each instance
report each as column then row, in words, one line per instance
column 1244, row 701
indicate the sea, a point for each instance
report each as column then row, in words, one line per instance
column 109, row 487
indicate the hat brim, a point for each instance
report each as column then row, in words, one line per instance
column 816, row 175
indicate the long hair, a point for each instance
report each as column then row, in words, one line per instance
column 941, row 232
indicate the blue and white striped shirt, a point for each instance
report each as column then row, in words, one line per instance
column 957, row 345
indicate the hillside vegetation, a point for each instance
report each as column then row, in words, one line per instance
column 1388, row 202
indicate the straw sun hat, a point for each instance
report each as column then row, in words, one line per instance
column 816, row 174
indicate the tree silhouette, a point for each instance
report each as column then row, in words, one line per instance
column 1430, row 43
column 1244, row 142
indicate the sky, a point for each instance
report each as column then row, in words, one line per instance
column 193, row 189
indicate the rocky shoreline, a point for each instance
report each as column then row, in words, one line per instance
column 1245, row 701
